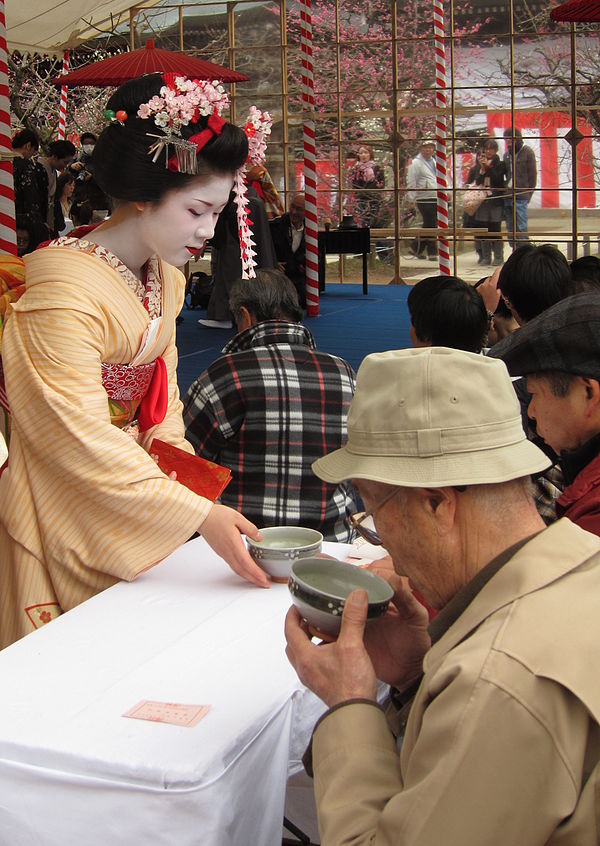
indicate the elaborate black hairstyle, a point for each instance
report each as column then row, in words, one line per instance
column 124, row 170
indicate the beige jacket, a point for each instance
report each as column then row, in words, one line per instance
column 81, row 504
column 503, row 741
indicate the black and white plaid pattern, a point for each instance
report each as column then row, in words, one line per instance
column 267, row 408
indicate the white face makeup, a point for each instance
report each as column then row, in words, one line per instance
column 178, row 227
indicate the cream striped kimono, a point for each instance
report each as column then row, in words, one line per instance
column 82, row 505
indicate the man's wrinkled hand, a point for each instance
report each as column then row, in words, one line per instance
column 398, row 641
column 338, row 671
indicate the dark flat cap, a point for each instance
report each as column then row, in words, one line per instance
column 565, row 337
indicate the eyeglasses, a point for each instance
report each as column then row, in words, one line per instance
column 370, row 535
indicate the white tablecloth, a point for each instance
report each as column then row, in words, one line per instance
column 74, row 770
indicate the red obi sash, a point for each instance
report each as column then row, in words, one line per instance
column 138, row 391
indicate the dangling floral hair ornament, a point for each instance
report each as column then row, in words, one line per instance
column 257, row 129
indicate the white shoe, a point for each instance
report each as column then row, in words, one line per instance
column 217, row 324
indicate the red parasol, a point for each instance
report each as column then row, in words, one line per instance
column 577, row 11
column 118, row 69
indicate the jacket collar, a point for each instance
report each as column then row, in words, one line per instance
column 583, row 483
column 271, row 332
column 520, row 576
column 572, row 463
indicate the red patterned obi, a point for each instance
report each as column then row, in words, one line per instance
column 137, row 391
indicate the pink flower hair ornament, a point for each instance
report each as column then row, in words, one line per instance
column 181, row 102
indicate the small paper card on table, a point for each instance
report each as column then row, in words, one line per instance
column 168, row 712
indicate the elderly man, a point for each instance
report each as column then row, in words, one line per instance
column 559, row 353
column 289, row 241
column 268, row 407
column 502, row 742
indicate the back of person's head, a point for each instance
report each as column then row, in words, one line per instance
column 81, row 213
column 270, row 296
column 29, row 233
column 123, row 167
column 61, row 149
column 26, row 136
column 447, row 312
column 586, row 274
column 534, row 278
column 25, row 235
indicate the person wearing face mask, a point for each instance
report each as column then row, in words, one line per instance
column 87, row 189
column 90, row 362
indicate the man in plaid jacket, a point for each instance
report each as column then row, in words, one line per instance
column 268, row 407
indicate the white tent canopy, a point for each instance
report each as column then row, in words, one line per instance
column 48, row 26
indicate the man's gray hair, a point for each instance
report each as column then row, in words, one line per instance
column 270, row 296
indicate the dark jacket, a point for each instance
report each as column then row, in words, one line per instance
column 493, row 178
column 525, row 171
column 294, row 263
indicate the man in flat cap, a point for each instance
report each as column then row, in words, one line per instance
column 502, row 743
column 559, row 353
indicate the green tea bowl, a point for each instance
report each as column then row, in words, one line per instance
column 320, row 587
column 281, row 546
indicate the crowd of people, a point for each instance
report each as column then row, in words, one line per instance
column 501, row 188
column 54, row 192
column 476, row 454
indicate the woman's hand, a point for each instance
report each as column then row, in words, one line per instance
column 223, row 530
column 172, row 475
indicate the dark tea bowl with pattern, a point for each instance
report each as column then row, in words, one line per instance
column 281, row 546
column 320, row 587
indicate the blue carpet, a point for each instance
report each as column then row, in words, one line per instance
column 349, row 324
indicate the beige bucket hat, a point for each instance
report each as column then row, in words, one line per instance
column 433, row 417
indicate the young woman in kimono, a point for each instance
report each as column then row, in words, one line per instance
column 89, row 357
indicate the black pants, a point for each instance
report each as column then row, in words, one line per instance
column 428, row 210
column 490, row 244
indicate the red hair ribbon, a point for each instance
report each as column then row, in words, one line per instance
column 200, row 139
column 214, row 127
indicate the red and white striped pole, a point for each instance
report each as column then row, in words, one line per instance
column 8, row 237
column 441, row 158
column 311, row 233
column 62, row 113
